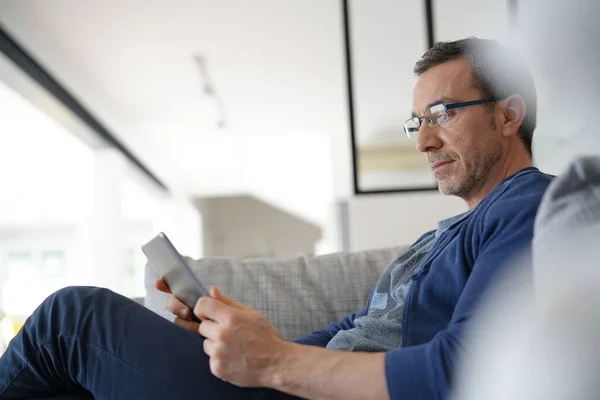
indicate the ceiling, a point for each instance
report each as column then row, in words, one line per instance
column 277, row 67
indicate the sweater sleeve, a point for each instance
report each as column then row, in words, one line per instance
column 322, row 337
column 425, row 371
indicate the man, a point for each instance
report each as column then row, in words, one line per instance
column 474, row 113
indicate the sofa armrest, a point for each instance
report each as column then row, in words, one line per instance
column 297, row 294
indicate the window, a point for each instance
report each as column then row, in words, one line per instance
column 19, row 265
column 72, row 214
column 53, row 264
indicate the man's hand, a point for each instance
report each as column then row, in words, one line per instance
column 183, row 315
column 244, row 349
column 240, row 342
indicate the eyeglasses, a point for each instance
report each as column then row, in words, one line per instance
column 438, row 114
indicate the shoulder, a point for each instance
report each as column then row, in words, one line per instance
column 518, row 195
column 510, row 209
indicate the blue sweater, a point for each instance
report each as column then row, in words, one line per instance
column 446, row 288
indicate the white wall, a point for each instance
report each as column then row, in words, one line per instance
column 488, row 19
column 387, row 37
column 397, row 219
column 243, row 226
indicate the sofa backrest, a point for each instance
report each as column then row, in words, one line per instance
column 297, row 295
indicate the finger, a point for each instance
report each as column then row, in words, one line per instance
column 162, row 286
column 190, row 326
column 215, row 293
column 176, row 307
column 209, row 347
column 210, row 330
column 209, row 308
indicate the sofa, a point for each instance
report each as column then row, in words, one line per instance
column 298, row 294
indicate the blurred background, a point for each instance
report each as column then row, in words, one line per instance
column 239, row 128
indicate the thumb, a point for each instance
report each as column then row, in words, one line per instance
column 215, row 293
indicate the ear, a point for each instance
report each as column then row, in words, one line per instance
column 513, row 112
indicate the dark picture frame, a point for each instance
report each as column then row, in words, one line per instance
column 429, row 19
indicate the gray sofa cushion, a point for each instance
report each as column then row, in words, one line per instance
column 567, row 227
column 298, row 294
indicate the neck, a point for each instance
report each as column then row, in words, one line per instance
column 497, row 174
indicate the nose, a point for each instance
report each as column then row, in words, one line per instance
column 428, row 139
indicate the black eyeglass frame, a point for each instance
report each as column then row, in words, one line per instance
column 446, row 107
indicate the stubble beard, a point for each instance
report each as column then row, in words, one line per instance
column 475, row 173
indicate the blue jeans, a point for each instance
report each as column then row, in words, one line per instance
column 85, row 342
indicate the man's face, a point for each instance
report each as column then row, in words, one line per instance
column 463, row 150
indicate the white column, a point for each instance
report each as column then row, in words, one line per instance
column 3, row 279
column 103, row 229
column 336, row 231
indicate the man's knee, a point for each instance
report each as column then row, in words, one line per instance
column 73, row 296
column 71, row 292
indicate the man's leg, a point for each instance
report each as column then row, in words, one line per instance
column 89, row 339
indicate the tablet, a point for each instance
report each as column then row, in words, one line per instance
column 173, row 269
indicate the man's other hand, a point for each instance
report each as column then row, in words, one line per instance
column 244, row 349
column 183, row 315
